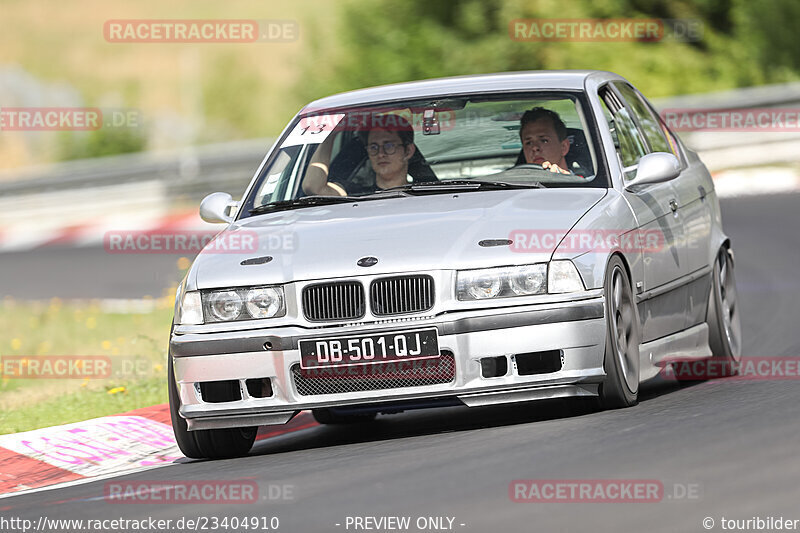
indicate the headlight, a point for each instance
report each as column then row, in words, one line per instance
column 191, row 309
column 528, row 280
column 225, row 305
column 264, row 302
column 478, row 284
column 244, row 304
column 501, row 282
column 562, row 276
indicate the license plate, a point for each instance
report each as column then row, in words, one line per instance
column 369, row 349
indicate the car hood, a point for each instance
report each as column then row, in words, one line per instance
column 406, row 234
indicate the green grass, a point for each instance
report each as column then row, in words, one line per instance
column 134, row 342
column 84, row 404
column 88, row 328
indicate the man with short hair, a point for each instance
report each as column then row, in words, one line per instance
column 544, row 139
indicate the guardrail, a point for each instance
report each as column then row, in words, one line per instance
column 188, row 175
column 737, row 149
column 185, row 173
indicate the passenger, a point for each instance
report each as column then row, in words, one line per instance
column 389, row 147
column 544, row 139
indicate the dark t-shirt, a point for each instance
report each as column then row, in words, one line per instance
column 362, row 187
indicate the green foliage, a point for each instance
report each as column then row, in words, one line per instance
column 769, row 30
column 386, row 41
column 233, row 99
column 100, row 142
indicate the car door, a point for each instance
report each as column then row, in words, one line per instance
column 691, row 192
column 661, row 299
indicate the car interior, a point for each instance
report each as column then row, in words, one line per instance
column 578, row 158
column 448, row 159
column 351, row 164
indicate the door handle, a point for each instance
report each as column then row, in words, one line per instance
column 673, row 205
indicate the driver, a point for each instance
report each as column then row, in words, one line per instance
column 389, row 146
column 544, row 139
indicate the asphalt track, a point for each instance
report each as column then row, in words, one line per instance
column 86, row 272
column 732, row 445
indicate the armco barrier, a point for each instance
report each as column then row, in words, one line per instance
column 188, row 175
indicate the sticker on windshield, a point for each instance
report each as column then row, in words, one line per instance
column 271, row 184
column 313, row 130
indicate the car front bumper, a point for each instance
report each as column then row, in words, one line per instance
column 576, row 329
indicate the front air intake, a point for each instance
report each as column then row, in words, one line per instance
column 532, row 363
column 220, row 391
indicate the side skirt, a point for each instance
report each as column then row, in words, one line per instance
column 690, row 344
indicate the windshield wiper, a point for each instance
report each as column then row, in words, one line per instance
column 306, row 201
column 310, row 201
column 380, row 194
column 394, row 192
column 447, row 185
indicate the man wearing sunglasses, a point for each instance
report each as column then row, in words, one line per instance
column 389, row 145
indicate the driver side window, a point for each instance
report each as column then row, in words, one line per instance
column 651, row 126
column 627, row 139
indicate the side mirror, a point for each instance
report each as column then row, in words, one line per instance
column 215, row 207
column 657, row 167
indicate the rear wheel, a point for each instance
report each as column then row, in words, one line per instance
column 207, row 443
column 621, row 362
column 724, row 325
column 328, row 416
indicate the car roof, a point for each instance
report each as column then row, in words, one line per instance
column 500, row 82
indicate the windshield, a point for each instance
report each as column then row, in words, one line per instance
column 539, row 139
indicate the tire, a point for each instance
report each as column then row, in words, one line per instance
column 621, row 362
column 724, row 324
column 327, row 416
column 207, row 443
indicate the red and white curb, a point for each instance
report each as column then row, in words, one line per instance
column 29, row 236
column 99, row 448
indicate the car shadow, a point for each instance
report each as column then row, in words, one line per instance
column 424, row 422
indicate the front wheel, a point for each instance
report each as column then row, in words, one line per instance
column 207, row 443
column 621, row 361
column 724, row 325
